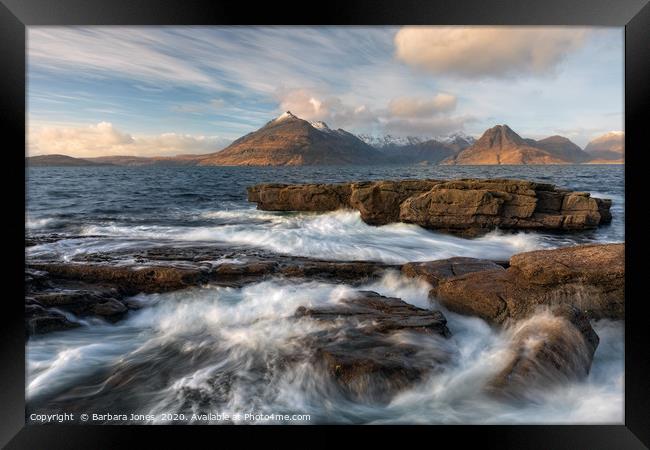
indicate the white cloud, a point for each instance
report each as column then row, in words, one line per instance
column 486, row 51
column 417, row 107
column 227, row 59
column 102, row 51
column 429, row 127
column 403, row 115
column 104, row 139
column 310, row 105
column 305, row 104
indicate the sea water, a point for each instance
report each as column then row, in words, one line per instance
column 215, row 349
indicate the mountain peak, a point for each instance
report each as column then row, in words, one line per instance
column 501, row 145
column 500, row 129
column 284, row 116
column 288, row 140
column 499, row 136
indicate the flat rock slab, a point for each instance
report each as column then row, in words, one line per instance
column 377, row 345
column 467, row 206
column 381, row 314
column 436, row 271
column 99, row 285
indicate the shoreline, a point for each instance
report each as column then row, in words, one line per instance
column 342, row 362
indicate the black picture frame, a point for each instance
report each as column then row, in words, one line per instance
column 634, row 15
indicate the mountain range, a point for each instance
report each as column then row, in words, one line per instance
column 501, row 145
column 413, row 149
column 291, row 141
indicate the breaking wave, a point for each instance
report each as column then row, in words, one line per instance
column 221, row 349
column 339, row 235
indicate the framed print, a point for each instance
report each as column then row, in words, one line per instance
column 371, row 217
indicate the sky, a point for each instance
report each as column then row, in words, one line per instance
column 150, row 91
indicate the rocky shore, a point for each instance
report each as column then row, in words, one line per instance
column 467, row 207
column 100, row 285
column 543, row 299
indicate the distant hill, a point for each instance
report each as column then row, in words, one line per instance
column 608, row 148
column 179, row 160
column 501, row 145
column 290, row 141
column 60, row 161
column 563, row 148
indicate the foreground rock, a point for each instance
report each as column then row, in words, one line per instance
column 434, row 272
column 544, row 299
column 589, row 277
column 551, row 348
column 100, row 286
column 466, row 206
column 377, row 345
column 40, row 320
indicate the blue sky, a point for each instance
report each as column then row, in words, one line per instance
column 167, row 90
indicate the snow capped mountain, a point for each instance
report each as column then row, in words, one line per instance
column 389, row 140
column 288, row 140
column 284, row 116
column 320, row 125
column 288, row 116
column 457, row 138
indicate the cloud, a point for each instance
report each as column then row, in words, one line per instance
column 415, row 107
column 102, row 51
column 351, row 76
column 486, row 51
column 309, row 105
column 305, row 104
column 429, row 127
column 403, row 115
column 226, row 59
column 103, row 139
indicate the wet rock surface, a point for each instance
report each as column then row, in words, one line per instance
column 378, row 345
column 467, row 207
column 589, row 277
column 99, row 285
column 545, row 299
column 367, row 348
column 40, row 320
column 434, row 272
column 371, row 346
column 381, row 314
column 549, row 349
